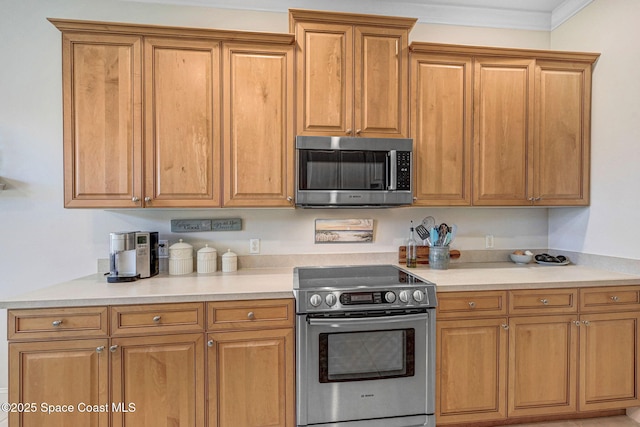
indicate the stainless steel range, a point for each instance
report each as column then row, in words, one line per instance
column 365, row 347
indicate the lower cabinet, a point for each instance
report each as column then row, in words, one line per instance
column 158, row 380
column 251, row 378
column 553, row 352
column 59, row 384
column 471, row 366
column 156, row 365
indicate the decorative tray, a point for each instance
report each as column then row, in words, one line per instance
column 567, row 262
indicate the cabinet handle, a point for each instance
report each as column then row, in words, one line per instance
column 530, row 199
column 147, row 199
column 135, row 199
column 113, row 348
column 537, row 199
column 156, row 319
column 544, row 301
column 349, row 131
column 289, row 199
column 251, row 316
column 576, row 322
column 99, row 349
column 505, row 326
column 358, row 131
column 210, row 343
column 472, row 304
column 586, row 323
column 56, row 323
column 614, row 298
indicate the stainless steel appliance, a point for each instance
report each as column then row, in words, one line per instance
column 147, row 261
column 365, row 347
column 122, row 257
column 353, row 172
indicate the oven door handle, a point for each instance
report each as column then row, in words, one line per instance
column 312, row 321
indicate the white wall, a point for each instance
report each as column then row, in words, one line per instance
column 41, row 243
column 610, row 226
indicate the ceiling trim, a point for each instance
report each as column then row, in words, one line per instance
column 429, row 13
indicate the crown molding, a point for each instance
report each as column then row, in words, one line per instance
column 425, row 12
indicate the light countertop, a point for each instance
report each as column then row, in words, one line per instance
column 278, row 283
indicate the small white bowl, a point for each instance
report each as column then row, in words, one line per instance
column 521, row 259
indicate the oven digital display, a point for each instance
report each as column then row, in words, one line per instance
column 361, row 298
column 352, row 298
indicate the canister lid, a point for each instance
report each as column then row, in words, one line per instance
column 206, row 249
column 229, row 254
column 181, row 245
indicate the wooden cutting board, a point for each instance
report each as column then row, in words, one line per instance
column 422, row 255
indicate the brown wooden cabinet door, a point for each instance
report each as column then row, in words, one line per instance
column 102, row 105
column 325, row 78
column 609, row 361
column 71, row 373
column 251, row 378
column 381, row 83
column 162, row 376
column 543, row 352
column 562, row 140
column 441, row 117
column 503, row 131
column 258, row 127
column 471, row 368
column 182, row 123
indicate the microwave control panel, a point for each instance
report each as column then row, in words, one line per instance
column 403, row 160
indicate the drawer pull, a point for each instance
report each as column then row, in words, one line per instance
column 99, row 349
column 576, row 322
column 56, row 323
column 544, row 301
column 472, row 304
column 113, row 348
column 505, row 326
column 251, row 316
column 210, row 343
column 614, row 298
column 156, row 319
column 586, row 322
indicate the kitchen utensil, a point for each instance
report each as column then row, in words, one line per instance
column 433, row 234
column 424, row 228
column 443, row 229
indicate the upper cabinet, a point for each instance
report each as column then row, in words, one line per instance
column 352, row 74
column 182, row 122
column 500, row 127
column 102, row 102
column 258, row 138
column 144, row 116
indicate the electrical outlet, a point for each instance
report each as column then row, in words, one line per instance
column 488, row 241
column 163, row 249
column 254, row 246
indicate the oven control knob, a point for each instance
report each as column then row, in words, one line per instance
column 389, row 297
column 315, row 300
column 330, row 300
column 418, row 295
column 404, row 296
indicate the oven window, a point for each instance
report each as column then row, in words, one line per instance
column 371, row 355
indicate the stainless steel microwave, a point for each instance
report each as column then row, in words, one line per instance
column 353, row 172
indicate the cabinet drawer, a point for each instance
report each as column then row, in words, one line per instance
column 471, row 304
column 250, row 314
column 80, row 322
column 543, row 301
column 156, row 318
column 609, row 298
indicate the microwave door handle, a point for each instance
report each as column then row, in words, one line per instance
column 353, row 321
column 392, row 170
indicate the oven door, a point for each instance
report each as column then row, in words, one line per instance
column 371, row 370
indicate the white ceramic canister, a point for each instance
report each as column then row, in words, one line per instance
column 180, row 258
column 207, row 260
column 229, row 262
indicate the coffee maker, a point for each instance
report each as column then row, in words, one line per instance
column 122, row 257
